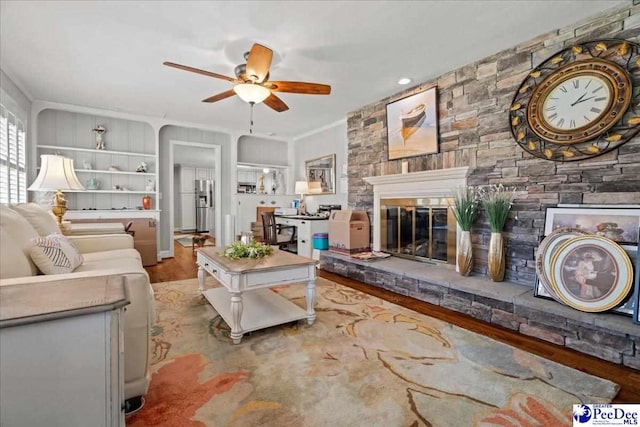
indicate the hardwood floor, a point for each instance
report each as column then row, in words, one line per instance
column 183, row 266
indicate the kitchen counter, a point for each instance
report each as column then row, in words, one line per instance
column 38, row 302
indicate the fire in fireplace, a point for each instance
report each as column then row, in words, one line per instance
column 418, row 228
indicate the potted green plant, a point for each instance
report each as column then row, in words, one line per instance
column 497, row 201
column 464, row 206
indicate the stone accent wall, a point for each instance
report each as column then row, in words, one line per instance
column 474, row 131
column 610, row 337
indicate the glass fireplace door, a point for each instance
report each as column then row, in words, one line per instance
column 415, row 229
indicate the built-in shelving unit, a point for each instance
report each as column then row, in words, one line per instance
column 115, row 172
column 103, row 172
column 94, row 151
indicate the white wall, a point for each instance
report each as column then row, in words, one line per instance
column 328, row 140
column 14, row 99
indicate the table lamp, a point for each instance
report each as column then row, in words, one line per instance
column 56, row 174
column 301, row 187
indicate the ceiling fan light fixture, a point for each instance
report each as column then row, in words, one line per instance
column 251, row 93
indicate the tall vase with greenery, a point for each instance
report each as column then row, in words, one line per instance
column 465, row 208
column 497, row 201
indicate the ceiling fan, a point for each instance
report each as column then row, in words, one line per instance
column 252, row 82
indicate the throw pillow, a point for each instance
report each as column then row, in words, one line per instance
column 55, row 254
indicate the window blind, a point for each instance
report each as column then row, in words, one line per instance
column 13, row 172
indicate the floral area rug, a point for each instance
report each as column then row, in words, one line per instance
column 364, row 362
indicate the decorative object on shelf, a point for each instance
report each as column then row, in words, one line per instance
column 412, row 125
column 321, row 170
column 142, row 167
column 99, row 131
column 93, row 184
column 56, row 174
column 405, row 166
column 261, row 189
column 254, row 249
column 146, row 202
column 591, row 273
column 86, row 164
column 150, row 185
column 465, row 208
column 579, row 103
column 120, row 187
column 301, row 188
column 497, row 201
column 114, row 169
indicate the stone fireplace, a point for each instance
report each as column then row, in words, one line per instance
column 410, row 214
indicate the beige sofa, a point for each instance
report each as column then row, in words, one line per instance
column 103, row 255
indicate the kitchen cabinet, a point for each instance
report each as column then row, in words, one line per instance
column 188, row 212
column 205, row 173
column 187, row 179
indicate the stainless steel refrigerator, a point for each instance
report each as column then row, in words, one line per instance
column 204, row 190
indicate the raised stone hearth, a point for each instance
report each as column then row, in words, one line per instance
column 606, row 336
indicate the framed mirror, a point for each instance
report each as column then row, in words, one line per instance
column 321, row 174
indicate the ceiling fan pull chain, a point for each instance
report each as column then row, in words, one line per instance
column 251, row 118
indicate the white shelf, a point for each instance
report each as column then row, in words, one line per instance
column 114, row 172
column 93, row 150
column 150, row 193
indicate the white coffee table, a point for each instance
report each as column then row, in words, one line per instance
column 245, row 302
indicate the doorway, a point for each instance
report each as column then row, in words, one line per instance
column 195, row 161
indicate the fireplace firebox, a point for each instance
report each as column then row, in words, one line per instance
column 423, row 229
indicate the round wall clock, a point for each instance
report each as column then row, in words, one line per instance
column 579, row 103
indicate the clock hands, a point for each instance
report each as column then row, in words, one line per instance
column 582, row 100
column 579, row 99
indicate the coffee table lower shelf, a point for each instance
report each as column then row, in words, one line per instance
column 261, row 308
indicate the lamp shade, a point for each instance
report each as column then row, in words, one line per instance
column 56, row 173
column 250, row 92
column 301, row 187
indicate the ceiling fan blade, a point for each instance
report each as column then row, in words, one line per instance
column 299, row 87
column 220, row 96
column 276, row 103
column 259, row 62
column 199, row 71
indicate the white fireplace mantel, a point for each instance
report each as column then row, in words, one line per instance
column 432, row 183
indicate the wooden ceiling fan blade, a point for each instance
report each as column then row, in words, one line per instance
column 198, row 71
column 258, row 62
column 299, row 87
column 220, row 96
column 276, row 103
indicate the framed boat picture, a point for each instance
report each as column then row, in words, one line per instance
column 412, row 125
column 617, row 224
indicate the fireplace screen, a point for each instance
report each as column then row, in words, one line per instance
column 418, row 228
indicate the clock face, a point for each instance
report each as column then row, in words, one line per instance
column 579, row 101
column 576, row 102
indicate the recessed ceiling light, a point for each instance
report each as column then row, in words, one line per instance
column 404, row 81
